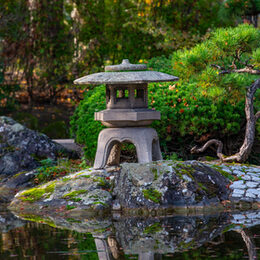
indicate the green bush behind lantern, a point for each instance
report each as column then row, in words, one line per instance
column 201, row 103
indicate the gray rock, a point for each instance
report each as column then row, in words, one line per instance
column 22, row 148
column 247, row 178
column 251, row 184
column 238, row 191
column 167, row 187
column 253, row 191
column 250, row 194
column 254, row 178
column 86, row 189
column 141, row 189
column 238, row 185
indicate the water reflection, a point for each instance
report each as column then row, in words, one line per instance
column 220, row 236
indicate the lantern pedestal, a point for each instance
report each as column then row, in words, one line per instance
column 145, row 140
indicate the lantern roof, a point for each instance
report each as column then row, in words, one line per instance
column 125, row 73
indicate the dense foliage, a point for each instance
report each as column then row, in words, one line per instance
column 7, row 91
column 202, row 104
column 47, row 44
column 239, row 10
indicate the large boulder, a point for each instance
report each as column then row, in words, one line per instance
column 156, row 188
column 169, row 185
column 87, row 190
column 21, row 149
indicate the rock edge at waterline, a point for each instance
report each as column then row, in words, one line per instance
column 157, row 188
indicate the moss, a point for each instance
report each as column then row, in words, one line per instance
column 155, row 173
column 39, row 219
column 102, row 182
column 35, row 194
column 224, row 173
column 153, row 195
column 73, row 194
column 69, row 207
column 202, row 186
column 50, row 188
column 186, row 246
column 66, row 179
column 229, row 227
column 18, row 174
column 181, row 169
column 76, row 199
column 26, row 119
column 85, row 176
column 154, row 228
column 72, row 220
column 32, row 195
column 209, row 158
column 99, row 203
column 93, row 196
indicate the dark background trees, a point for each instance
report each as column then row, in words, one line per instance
column 47, row 44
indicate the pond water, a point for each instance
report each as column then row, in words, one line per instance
column 218, row 236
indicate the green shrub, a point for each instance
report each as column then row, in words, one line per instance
column 83, row 126
column 201, row 103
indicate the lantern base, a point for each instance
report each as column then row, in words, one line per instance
column 144, row 139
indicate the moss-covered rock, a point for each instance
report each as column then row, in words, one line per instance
column 81, row 190
column 156, row 188
column 168, row 184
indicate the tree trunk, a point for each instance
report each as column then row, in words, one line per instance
column 251, row 119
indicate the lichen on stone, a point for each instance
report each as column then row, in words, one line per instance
column 153, row 195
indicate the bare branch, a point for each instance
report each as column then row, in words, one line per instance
column 217, row 66
column 218, row 143
column 247, row 69
column 250, row 243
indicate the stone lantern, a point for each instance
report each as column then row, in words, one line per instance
column 127, row 115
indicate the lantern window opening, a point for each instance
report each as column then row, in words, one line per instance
column 139, row 93
column 122, row 93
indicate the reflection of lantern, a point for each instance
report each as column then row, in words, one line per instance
column 127, row 112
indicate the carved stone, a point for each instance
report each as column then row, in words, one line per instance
column 127, row 117
column 127, row 112
column 145, row 140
